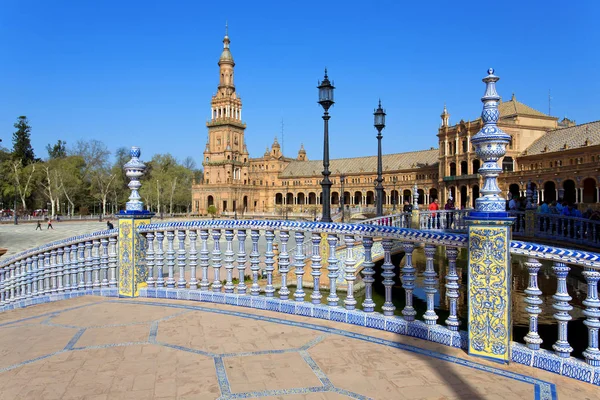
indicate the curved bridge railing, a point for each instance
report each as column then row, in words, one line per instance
column 221, row 261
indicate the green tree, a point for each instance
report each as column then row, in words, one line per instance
column 59, row 150
column 22, row 150
column 212, row 210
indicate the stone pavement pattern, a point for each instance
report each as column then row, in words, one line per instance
column 97, row 348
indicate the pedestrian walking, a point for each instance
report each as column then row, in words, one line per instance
column 39, row 226
column 50, row 224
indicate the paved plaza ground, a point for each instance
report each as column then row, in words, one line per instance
column 98, row 348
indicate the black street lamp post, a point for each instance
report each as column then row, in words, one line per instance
column 342, row 180
column 379, row 125
column 394, row 180
column 326, row 100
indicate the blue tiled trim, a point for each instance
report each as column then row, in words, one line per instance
column 74, row 339
column 545, row 388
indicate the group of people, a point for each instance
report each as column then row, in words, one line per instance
column 109, row 225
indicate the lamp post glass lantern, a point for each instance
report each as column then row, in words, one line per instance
column 326, row 101
column 379, row 123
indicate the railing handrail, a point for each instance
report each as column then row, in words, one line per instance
column 59, row 243
column 398, row 215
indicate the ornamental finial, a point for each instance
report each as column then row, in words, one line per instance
column 490, row 145
column 134, row 169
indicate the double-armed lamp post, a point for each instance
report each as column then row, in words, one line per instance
column 379, row 124
column 326, row 100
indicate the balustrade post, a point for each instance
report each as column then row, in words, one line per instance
column 204, row 259
column 332, row 270
column 74, row 270
column 22, row 281
column 241, row 261
column 13, row 277
column 254, row 261
column 112, row 261
column 430, row 283
column 284, row 265
column 60, row 269
column 96, row 263
column 160, row 259
column 54, row 287
column 269, row 262
column 533, row 302
column 181, row 256
column 2, row 282
column 67, row 268
column 150, row 258
column 490, row 278
column 408, row 282
column 193, row 259
column 133, row 271
column 80, row 266
column 388, row 277
column 216, row 260
column 34, row 277
column 592, row 312
column 315, row 266
column 562, row 307
column 104, row 263
column 170, row 259
column 452, row 288
column 367, row 273
column 229, row 261
column 299, row 266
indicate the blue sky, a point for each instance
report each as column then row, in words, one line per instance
column 143, row 72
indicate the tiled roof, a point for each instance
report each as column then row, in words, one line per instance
column 573, row 137
column 357, row 165
column 515, row 107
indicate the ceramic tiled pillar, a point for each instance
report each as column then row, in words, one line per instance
column 489, row 282
column 132, row 246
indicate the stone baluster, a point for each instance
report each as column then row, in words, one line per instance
column 160, row 259
column 34, row 277
column 216, row 260
column 592, row 312
column 54, row 287
column 17, row 281
column 150, row 259
column 228, row 261
column 89, row 265
column 21, row 281
column 562, row 307
column 60, row 269
column 284, row 265
column 241, row 261
column 28, row 280
column 367, row 273
column 67, row 268
column 269, row 263
column 430, row 283
column 73, row 267
column 193, row 235
column 388, row 276
column 350, row 272
column 112, row 261
column 96, row 263
column 452, row 288
column 204, row 259
column 408, row 281
column 9, row 277
column 299, row 265
column 3, row 285
column 81, row 265
column 254, row 261
column 315, row 267
column 181, row 256
column 47, row 271
column 104, row 263
column 13, row 274
column 533, row 301
column 332, row 270
column 170, row 259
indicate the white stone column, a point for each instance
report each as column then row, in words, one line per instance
column 542, row 194
column 597, row 194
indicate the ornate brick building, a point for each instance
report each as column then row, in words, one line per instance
column 561, row 159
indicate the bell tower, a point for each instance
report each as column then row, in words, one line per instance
column 225, row 158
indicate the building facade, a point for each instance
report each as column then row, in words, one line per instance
column 560, row 159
